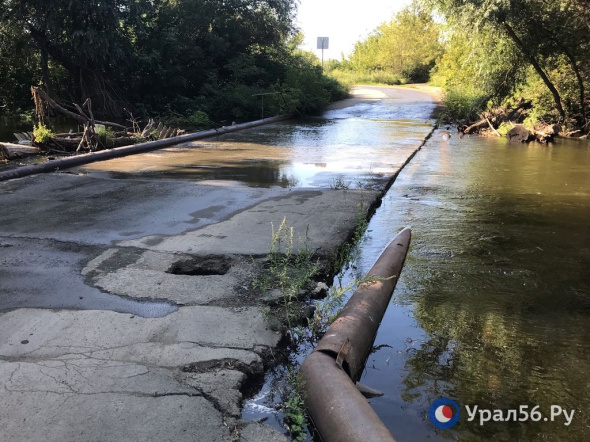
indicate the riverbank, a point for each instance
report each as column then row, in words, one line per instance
column 127, row 292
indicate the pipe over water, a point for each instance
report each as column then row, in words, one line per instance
column 338, row 410
column 78, row 160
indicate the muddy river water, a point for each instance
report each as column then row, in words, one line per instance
column 493, row 305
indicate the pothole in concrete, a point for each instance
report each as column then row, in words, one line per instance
column 201, row 266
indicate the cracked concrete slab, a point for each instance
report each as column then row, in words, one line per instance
column 50, row 334
column 46, row 274
column 256, row 432
column 60, row 366
column 149, row 277
column 222, row 386
column 323, row 219
column 89, row 376
column 109, row 417
column 176, row 354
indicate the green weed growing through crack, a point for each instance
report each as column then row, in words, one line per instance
column 290, row 268
column 347, row 254
column 339, row 184
column 294, row 407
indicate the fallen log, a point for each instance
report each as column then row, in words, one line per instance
column 493, row 129
column 9, row 150
column 475, row 127
column 545, row 133
column 69, row 135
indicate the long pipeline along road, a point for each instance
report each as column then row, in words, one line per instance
column 126, row 303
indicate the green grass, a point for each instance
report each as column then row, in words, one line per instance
column 106, row 136
column 463, row 105
column 294, row 407
column 290, row 268
column 378, row 78
column 340, row 184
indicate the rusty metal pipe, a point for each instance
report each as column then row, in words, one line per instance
column 357, row 324
column 338, row 410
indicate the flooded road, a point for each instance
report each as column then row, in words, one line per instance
column 493, row 305
column 357, row 146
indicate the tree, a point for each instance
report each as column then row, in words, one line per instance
column 542, row 32
column 408, row 45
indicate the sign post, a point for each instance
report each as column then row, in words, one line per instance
column 323, row 43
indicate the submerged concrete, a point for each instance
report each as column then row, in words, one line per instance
column 126, row 305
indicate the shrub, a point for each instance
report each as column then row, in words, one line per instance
column 42, row 134
column 504, row 128
column 419, row 73
column 200, row 120
column 464, row 104
column 106, row 136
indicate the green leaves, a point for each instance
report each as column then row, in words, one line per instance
column 499, row 47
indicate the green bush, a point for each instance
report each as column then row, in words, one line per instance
column 350, row 78
column 200, row 120
column 464, row 104
column 42, row 134
column 306, row 89
column 504, row 128
column 106, row 136
column 419, row 73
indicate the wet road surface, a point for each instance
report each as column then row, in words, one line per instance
column 357, row 146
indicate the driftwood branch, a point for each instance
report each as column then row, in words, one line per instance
column 41, row 93
column 493, row 128
column 475, row 126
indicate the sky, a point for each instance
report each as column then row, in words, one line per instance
column 343, row 21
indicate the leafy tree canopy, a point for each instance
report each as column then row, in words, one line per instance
column 174, row 56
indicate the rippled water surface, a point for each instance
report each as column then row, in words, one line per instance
column 357, row 146
column 493, row 307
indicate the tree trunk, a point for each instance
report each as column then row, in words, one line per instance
column 45, row 70
column 581, row 88
column 538, row 68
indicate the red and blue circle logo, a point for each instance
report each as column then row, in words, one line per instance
column 444, row 413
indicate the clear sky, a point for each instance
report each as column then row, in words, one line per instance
column 344, row 21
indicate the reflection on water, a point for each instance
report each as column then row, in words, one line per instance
column 313, row 152
column 9, row 125
column 493, row 307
